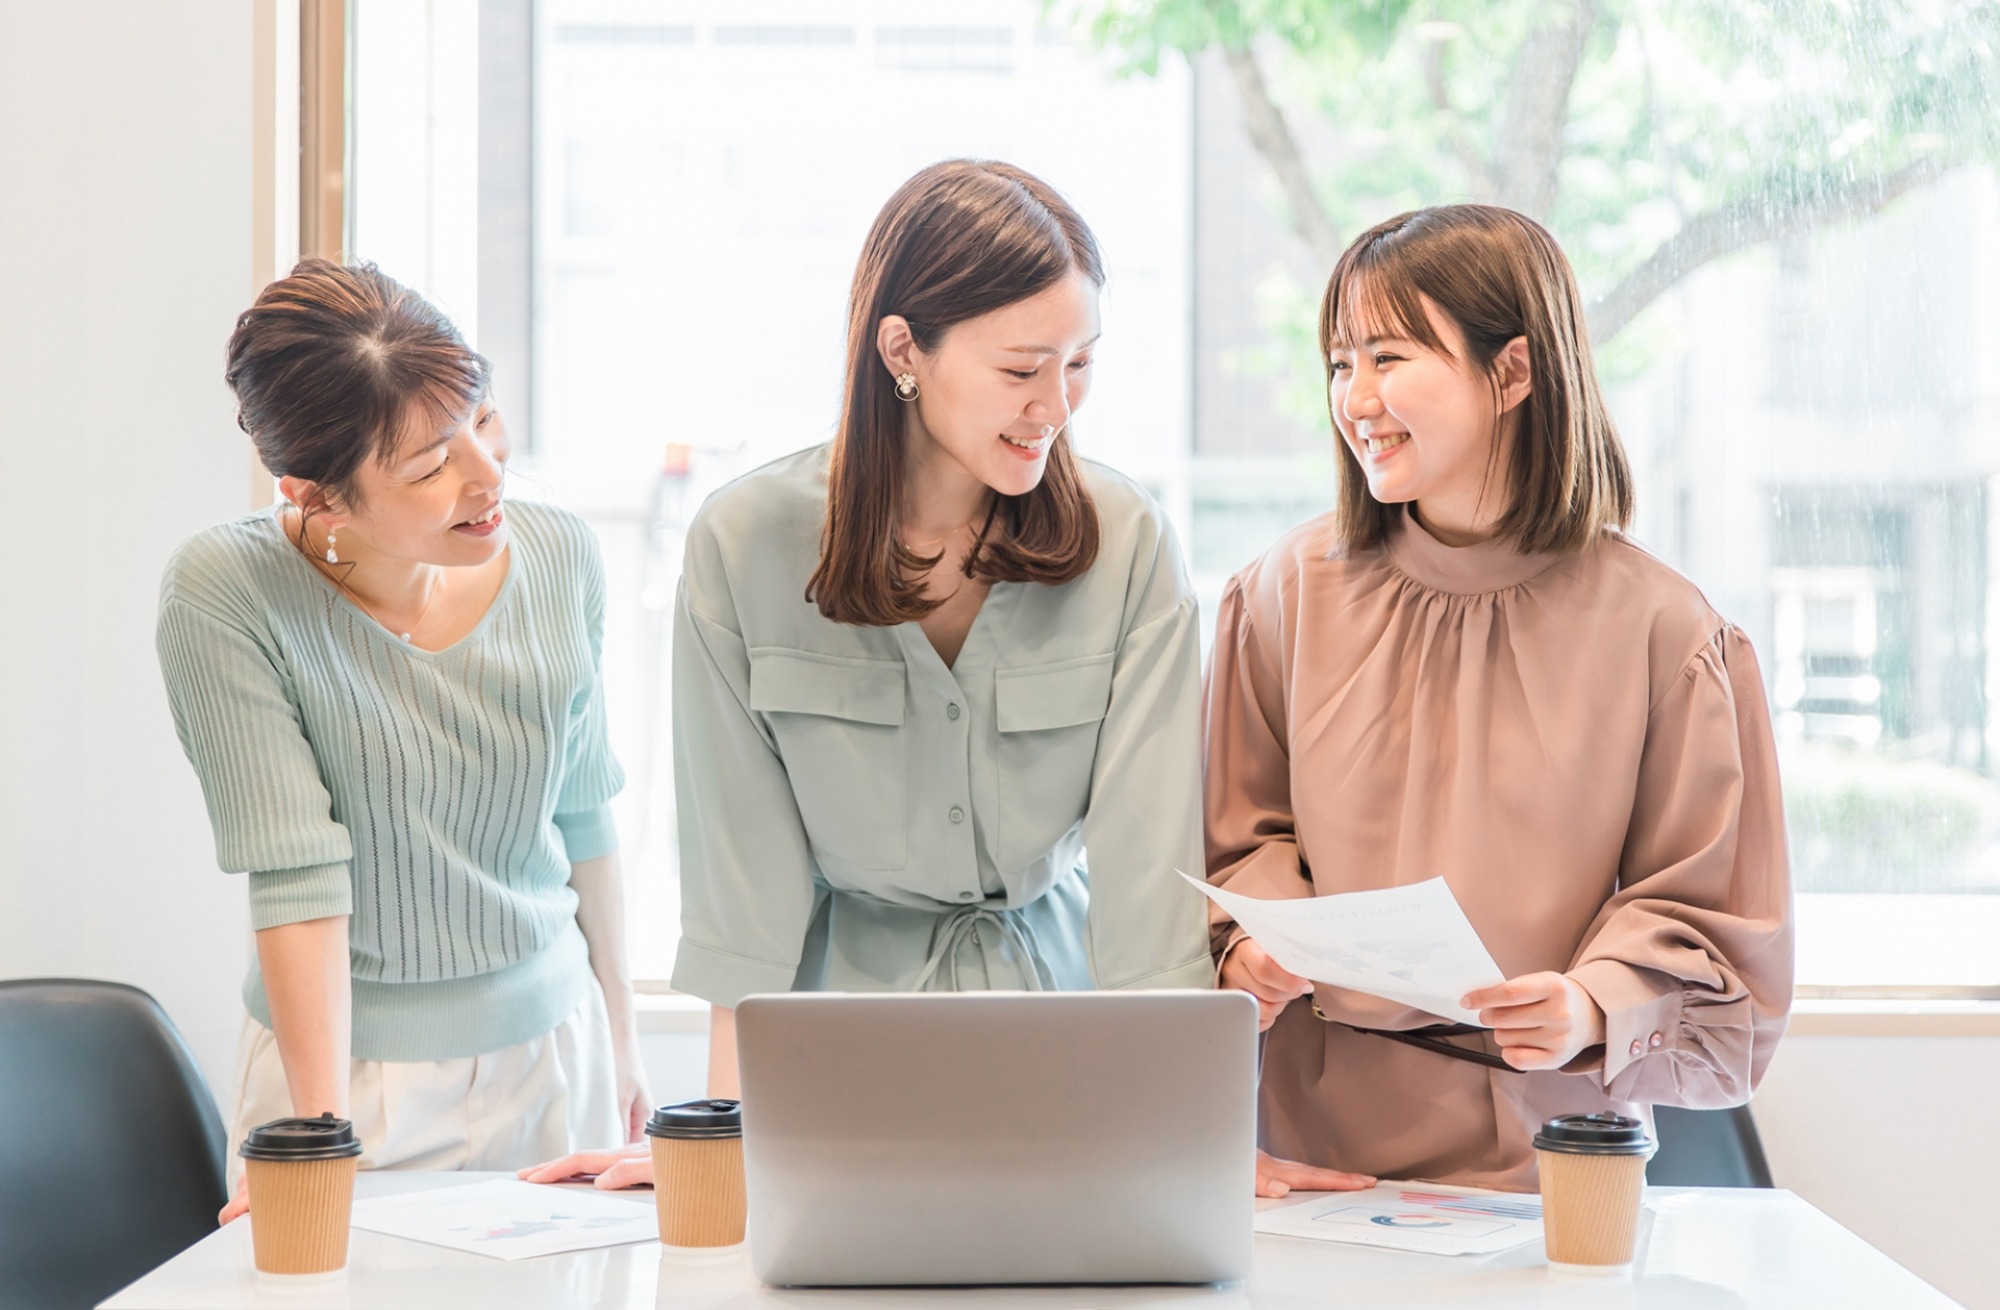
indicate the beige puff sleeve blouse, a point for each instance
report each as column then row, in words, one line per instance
column 1580, row 746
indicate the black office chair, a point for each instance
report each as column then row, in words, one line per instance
column 1707, row 1148
column 110, row 1146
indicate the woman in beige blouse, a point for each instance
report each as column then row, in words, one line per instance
column 1468, row 670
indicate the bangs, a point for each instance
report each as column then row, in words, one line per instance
column 1371, row 297
column 1485, row 276
column 419, row 399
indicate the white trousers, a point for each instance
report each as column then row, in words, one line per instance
column 520, row 1105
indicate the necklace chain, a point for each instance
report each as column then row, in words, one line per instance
column 437, row 585
column 919, row 547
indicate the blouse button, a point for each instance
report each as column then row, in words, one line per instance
column 951, row 710
column 967, row 896
column 1656, row 1041
column 957, row 815
column 1637, row 1046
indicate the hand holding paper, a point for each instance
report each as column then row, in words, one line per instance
column 1412, row 945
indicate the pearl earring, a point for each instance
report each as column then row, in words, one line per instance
column 906, row 386
column 332, row 556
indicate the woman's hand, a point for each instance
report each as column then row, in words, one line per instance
column 239, row 1204
column 635, row 1103
column 1541, row 1020
column 599, row 885
column 628, row 1166
column 1249, row 968
column 1277, row 1177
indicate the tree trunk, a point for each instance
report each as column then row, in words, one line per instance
column 1527, row 152
column 1770, row 214
column 1272, row 135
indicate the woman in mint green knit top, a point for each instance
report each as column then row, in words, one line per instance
column 390, row 689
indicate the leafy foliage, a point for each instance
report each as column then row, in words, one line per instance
column 1638, row 130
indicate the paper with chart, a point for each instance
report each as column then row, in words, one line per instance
column 1412, row 945
column 509, row 1219
column 1425, row 1217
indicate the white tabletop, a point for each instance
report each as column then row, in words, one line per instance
column 1704, row 1249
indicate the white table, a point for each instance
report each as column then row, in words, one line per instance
column 1705, row 1249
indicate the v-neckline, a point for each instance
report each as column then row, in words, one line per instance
column 978, row 637
column 371, row 623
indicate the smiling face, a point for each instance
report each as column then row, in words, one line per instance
column 436, row 499
column 1423, row 421
column 999, row 387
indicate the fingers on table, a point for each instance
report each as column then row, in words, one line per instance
column 627, row 1173
column 239, row 1204
column 1276, row 1177
column 583, row 1162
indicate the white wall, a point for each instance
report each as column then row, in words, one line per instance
column 126, row 251
column 1896, row 1138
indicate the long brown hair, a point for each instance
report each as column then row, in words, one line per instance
column 1497, row 275
column 960, row 239
column 333, row 362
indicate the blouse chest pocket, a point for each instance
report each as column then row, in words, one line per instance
column 1048, row 717
column 838, row 724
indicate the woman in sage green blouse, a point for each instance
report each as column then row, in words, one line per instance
column 927, row 673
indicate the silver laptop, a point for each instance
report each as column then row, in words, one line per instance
column 999, row 1137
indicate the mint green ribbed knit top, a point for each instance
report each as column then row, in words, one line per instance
column 437, row 798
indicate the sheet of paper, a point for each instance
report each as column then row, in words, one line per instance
column 1412, row 945
column 1426, row 1217
column 509, row 1219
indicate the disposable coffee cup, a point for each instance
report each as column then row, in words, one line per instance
column 301, row 1176
column 698, row 1173
column 1593, row 1170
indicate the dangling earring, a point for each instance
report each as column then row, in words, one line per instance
column 906, row 387
column 332, row 557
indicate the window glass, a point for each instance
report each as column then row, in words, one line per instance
column 1784, row 217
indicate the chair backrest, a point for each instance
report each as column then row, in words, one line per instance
column 1707, row 1148
column 111, row 1149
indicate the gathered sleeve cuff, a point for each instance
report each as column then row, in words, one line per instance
column 1691, row 960
column 282, row 896
column 748, row 885
column 1252, row 837
column 588, row 834
column 1144, row 822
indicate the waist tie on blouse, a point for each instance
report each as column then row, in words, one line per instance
column 963, row 922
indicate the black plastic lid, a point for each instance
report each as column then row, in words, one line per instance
column 697, row 1119
column 1594, row 1134
column 324, row 1138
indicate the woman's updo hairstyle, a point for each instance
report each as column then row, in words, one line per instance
column 334, row 363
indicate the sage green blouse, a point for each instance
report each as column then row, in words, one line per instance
column 857, row 816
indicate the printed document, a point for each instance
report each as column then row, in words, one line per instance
column 510, row 1219
column 1427, row 1217
column 1412, row 945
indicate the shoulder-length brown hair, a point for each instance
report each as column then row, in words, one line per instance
column 960, row 239
column 1497, row 275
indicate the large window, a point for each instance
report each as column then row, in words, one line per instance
column 647, row 214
